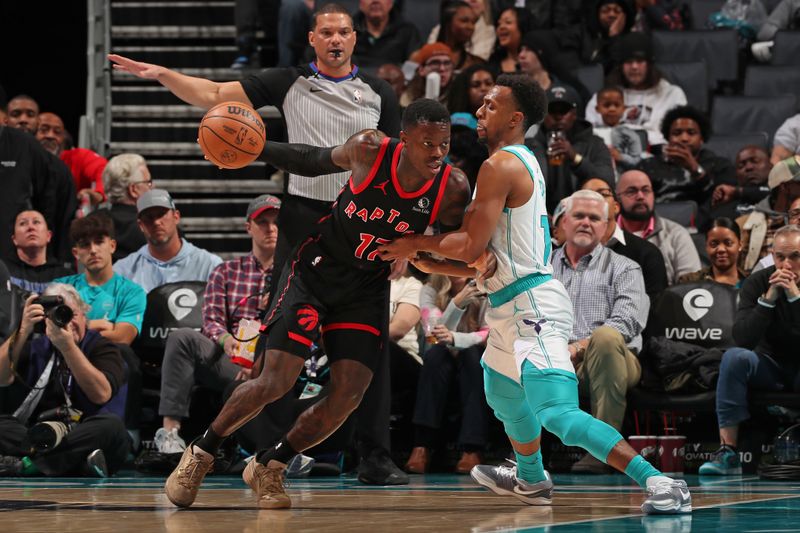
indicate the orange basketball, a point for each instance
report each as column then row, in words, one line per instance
column 232, row 135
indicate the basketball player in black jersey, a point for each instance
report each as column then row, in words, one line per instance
column 335, row 285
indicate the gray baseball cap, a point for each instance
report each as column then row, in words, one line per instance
column 154, row 198
column 262, row 203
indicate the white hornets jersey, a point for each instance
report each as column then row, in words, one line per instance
column 521, row 240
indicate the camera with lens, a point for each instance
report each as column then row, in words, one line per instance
column 55, row 309
column 52, row 426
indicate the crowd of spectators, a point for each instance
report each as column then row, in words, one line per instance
column 101, row 235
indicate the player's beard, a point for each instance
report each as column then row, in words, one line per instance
column 639, row 216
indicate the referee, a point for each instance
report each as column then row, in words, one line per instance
column 322, row 104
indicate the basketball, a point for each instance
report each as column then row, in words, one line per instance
column 231, row 135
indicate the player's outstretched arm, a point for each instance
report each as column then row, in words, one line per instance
column 357, row 154
column 469, row 241
column 199, row 92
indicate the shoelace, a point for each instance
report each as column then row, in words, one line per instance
column 664, row 487
column 270, row 479
column 507, row 476
column 190, row 475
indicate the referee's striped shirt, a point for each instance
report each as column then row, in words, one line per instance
column 324, row 111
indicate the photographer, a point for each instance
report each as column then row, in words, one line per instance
column 70, row 376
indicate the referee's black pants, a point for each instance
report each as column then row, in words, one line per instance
column 296, row 219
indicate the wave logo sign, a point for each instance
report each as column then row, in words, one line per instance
column 697, row 302
column 181, row 302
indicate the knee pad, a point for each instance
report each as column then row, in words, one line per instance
column 510, row 408
column 566, row 422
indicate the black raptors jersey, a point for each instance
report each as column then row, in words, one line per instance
column 378, row 210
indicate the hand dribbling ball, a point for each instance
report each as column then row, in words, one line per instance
column 231, row 135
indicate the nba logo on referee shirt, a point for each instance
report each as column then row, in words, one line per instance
column 357, row 96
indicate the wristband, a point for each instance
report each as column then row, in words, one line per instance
column 222, row 338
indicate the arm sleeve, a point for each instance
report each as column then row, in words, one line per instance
column 214, row 304
column 300, row 159
column 631, row 304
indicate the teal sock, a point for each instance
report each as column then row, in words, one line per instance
column 529, row 467
column 28, row 468
column 639, row 470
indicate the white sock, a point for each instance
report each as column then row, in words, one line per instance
column 652, row 481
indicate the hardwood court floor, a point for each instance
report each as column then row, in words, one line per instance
column 441, row 503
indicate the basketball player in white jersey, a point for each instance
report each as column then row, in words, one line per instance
column 529, row 379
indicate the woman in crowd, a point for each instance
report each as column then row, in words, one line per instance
column 469, row 88
column 453, row 319
column 723, row 245
column 512, row 24
column 458, row 26
column 648, row 96
column 482, row 41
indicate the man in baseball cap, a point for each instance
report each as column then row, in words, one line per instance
column 759, row 227
column 262, row 203
column 154, row 198
column 236, row 291
column 167, row 257
column 567, row 150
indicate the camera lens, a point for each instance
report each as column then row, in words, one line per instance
column 60, row 315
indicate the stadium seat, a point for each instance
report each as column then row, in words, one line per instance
column 700, row 313
column 718, row 48
column 728, row 146
column 700, row 10
column 169, row 307
column 786, row 50
column 684, row 213
column 692, row 77
column 760, row 80
column 591, row 76
column 731, row 114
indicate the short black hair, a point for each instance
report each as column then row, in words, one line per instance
column 725, row 222
column 610, row 89
column 90, row 227
column 328, row 9
column 424, row 110
column 528, row 95
column 686, row 111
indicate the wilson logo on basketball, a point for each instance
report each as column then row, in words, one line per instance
column 307, row 318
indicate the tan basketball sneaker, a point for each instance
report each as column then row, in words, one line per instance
column 267, row 483
column 184, row 482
